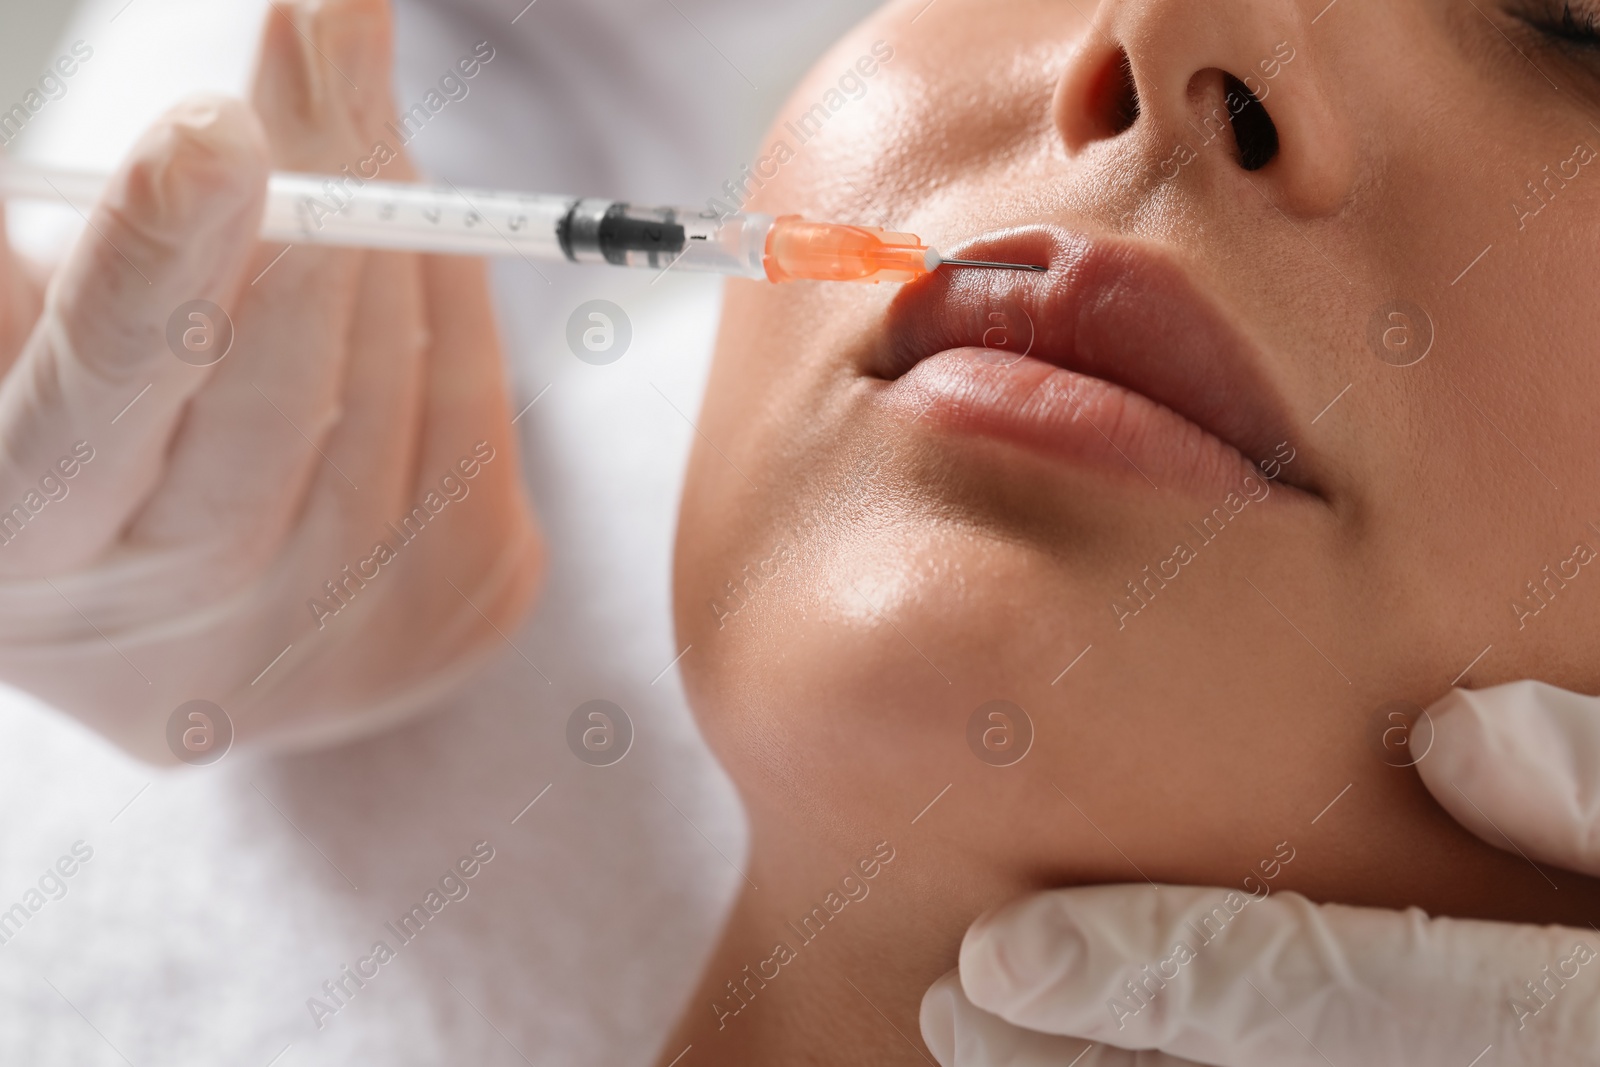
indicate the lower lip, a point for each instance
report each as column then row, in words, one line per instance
column 1085, row 421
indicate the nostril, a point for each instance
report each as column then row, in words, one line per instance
column 1124, row 100
column 1115, row 98
column 1253, row 131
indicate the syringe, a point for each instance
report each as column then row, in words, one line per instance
column 346, row 210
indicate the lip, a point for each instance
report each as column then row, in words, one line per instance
column 1113, row 358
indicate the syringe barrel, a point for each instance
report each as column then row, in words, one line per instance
column 318, row 209
column 337, row 210
column 345, row 210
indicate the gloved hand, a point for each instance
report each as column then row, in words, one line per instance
column 170, row 531
column 1306, row 985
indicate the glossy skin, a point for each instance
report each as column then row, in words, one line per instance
column 904, row 550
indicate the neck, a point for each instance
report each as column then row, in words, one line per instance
column 828, row 952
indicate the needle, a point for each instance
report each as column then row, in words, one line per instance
column 996, row 266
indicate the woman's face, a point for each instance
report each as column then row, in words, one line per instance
column 1210, row 523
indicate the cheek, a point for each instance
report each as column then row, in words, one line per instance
column 1467, row 461
column 773, row 410
column 938, row 106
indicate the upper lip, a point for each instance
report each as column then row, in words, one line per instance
column 1108, row 308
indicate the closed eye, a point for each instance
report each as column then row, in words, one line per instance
column 1558, row 19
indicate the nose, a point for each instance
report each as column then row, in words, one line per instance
column 1246, row 79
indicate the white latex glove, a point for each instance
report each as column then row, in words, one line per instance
column 1295, row 984
column 174, row 523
